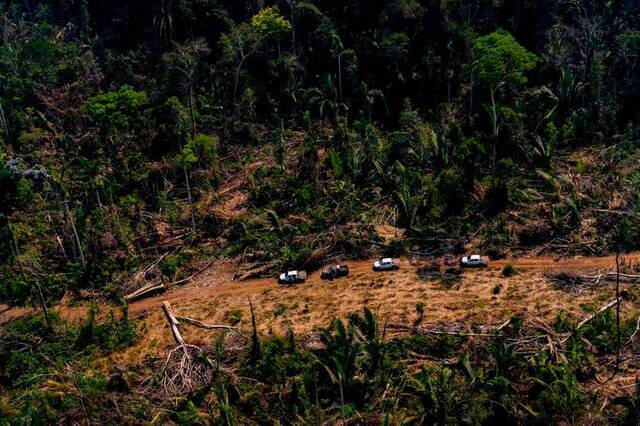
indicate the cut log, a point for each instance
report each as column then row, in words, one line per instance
column 243, row 275
column 152, row 288
column 145, row 291
column 173, row 323
column 595, row 314
column 610, row 275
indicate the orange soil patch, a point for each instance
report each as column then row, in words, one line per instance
column 389, row 233
column 214, row 297
column 392, row 295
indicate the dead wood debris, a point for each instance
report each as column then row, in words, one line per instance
column 532, row 336
column 577, row 283
column 571, row 281
column 158, row 287
column 187, row 367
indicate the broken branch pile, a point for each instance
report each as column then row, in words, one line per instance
column 571, row 281
column 577, row 283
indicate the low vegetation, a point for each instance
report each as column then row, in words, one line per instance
column 356, row 371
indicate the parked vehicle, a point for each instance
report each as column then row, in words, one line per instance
column 334, row 271
column 386, row 264
column 292, row 277
column 474, row 261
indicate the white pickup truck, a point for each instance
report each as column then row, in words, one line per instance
column 474, row 261
column 386, row 264
column 292, row 277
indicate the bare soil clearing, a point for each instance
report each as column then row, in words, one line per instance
column 471, row 298
column 478, row 296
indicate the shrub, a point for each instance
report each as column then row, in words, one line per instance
column 233, row 316
column 509, row 270
column 280, row 310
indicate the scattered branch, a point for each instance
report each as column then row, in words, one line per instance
column 198, row 323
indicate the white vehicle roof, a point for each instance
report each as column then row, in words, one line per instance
column 292, row 273
column 387, row 260
column 475, row 257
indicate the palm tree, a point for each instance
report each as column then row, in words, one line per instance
column 370, row 96
column 434, row 395
column 325, row 98
column 343, row 348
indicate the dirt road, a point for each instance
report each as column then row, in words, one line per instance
column 477, row 296
column 362, row 271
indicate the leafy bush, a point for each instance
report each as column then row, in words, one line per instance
column 233, row 316
column 509, row 270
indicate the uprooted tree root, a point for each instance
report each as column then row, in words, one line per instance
column 186, row 369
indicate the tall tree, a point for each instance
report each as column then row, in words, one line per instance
column 499, row 60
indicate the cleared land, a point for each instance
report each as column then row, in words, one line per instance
column 479, row 296
column 472, row 298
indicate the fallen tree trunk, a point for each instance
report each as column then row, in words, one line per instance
column 187, row 367
column 239, row 276
column 595, row 314
column 429, row 330
column 607, row 275
column 609, row 305
column 151, row 288
column 173, row 323
column 145, row 291
column 189, row 278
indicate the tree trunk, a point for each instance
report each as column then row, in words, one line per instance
column 43, row 303
column 75, row 234
column 293, row 26
column 494, row 123
column 41, row 299
column 173, row 323
column 193, row 111
column 339, row 76
column 193, row 218
column 3, row 121
column 618, row 311
column 472, row 81
column 236, row 82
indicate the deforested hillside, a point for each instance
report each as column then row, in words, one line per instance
column 148, row 146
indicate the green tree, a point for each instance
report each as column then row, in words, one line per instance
column 203, row 151
column 118, row 111
column 237, row 46
column 271, row 26
column 499, row 61
column 186, row 59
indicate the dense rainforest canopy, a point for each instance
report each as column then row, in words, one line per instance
column 148, row 135
column 509, row 123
